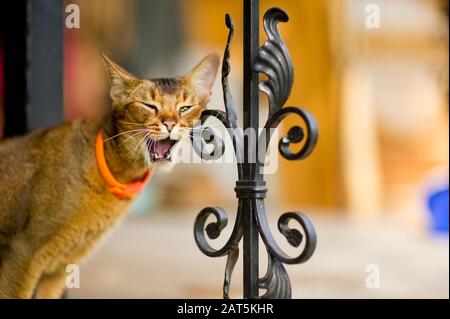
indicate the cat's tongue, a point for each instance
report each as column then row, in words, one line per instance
column 162, row 148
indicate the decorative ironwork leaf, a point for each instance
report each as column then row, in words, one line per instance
column 273, row 60
column 232, row 259
column 227, row 98
column 276, row 281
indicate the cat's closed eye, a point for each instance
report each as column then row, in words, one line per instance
column 150, row 106
column 185, row 108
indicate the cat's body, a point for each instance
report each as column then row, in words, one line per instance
column 54, row 203
column 55, row 206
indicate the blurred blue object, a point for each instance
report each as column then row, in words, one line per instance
column 438, row 208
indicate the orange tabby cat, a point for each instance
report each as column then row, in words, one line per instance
column 56, row 201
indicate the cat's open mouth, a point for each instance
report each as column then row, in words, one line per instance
column 161, row 150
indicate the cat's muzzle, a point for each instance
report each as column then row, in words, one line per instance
column 161, row 150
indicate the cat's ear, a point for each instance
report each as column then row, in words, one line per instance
column 120, row 79
column 203, row 75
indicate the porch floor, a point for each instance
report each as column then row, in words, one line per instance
column 155, row 256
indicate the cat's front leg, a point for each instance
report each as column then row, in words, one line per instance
column 20, row 271
column 51, row 286
column 17, row 278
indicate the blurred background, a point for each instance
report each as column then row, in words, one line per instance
column 376, row 187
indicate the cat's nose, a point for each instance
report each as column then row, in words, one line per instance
column 169, row 124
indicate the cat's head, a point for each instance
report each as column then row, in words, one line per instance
column 153, row 115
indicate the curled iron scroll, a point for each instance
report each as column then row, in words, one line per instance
column 213, row 229
column 273, row 59
column 295, row 135
column 292, row 235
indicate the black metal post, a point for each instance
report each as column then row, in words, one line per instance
column 45, row 63
column 33, row 42
column 251, row 123
column 251, row 222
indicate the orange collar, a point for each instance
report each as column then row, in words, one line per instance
column 118, row 189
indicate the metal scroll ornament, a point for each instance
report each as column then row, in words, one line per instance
column 273, row 60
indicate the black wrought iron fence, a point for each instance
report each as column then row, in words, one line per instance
column 273, row 60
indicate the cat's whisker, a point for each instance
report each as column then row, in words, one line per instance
column 196, row 128
column 122, row 133
column 131, row 123
column 140, row 142
column 146, row 157
column 145, row 143
column 134, row 135
column 147, row 154
column 139, row 146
